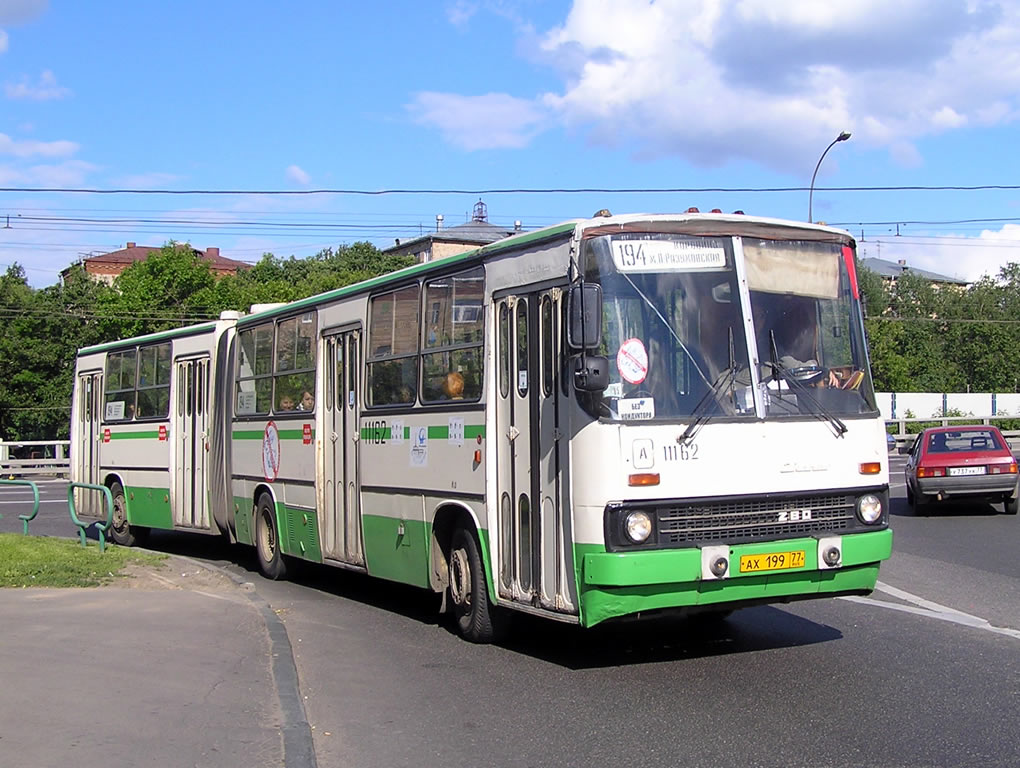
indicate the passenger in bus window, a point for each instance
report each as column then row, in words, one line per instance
column 286, row 403
column 307, row 401
column 453, row 386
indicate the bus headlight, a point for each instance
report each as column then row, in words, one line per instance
column 869, row 508
column 638, row 527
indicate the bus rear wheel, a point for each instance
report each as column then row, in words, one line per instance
column 267, row 540
column 478, row 620
column 121, row 531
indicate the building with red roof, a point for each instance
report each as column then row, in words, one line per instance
column 107, row 266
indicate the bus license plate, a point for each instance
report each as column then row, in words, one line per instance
column 772, row 561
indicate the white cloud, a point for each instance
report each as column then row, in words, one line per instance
column 491, row 121
column 3, row 41
column 47, row 89
column 154, row 180
column 715, row 81
column 19, row 11
column 954, row 255
column 71, row 173
column 947, row 117
column 298, row 175
column 905, row 154
column 9, row 146
column 459, row 12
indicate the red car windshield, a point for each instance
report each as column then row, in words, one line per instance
column 965, row 441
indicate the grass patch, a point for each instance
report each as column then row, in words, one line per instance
column 42, row 561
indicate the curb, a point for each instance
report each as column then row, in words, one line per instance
column 298, row 747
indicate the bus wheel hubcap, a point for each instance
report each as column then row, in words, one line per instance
column 268, row 541
column 460, row 578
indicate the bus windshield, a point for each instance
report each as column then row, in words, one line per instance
column 808, row 336
column 673, row 328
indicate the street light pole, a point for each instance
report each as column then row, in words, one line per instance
column 842, row 137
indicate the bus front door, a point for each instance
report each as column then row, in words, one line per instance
column 534, row 529
column 89, row 443
column 342, row 497
column 191, row 443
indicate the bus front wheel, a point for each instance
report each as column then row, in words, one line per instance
column 478, row 620
column 267, row 540
column 121, row 531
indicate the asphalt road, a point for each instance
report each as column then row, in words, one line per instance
column 926, row 672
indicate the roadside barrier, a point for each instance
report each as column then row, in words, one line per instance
column 26, row 519
column 101, row 527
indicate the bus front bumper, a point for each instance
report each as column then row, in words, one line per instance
column 615, row 584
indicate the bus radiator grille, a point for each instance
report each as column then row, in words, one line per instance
column 741, row 521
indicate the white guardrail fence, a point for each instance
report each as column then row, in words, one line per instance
column 35, row 457
column 900, row 410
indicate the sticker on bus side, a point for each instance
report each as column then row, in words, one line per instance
column 420, row 447
column 271, row 452
column 636, row 408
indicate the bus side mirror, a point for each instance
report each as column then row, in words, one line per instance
column 584, row 315
column 591, row 373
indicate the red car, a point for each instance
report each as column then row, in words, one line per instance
column 967, row 462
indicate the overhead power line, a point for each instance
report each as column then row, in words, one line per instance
column 508, row 191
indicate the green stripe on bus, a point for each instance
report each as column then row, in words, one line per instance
column 147, row 434
column 258, row 434
column 471, row 432
column 174, row 333
column 414, row 271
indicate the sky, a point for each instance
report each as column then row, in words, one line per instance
column 726, row 104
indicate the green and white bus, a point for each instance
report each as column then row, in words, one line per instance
column 611, row 417
column 145, row 422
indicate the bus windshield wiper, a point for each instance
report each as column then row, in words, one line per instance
column 700, row 415
column 817, row 409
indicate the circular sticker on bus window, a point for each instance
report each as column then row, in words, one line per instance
column 271, row 452
column 632, row 361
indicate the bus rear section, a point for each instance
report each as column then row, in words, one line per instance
column 146, row 424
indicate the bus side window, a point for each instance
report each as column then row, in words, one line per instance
column 392, row 366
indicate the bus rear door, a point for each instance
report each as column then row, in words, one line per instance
column 191, row 443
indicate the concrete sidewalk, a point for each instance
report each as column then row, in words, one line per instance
column 181, row 666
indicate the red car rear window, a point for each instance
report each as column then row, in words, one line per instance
column 965, row 441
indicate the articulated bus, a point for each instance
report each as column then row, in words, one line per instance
column 613, row 417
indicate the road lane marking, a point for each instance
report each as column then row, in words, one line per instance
column 932, row 610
